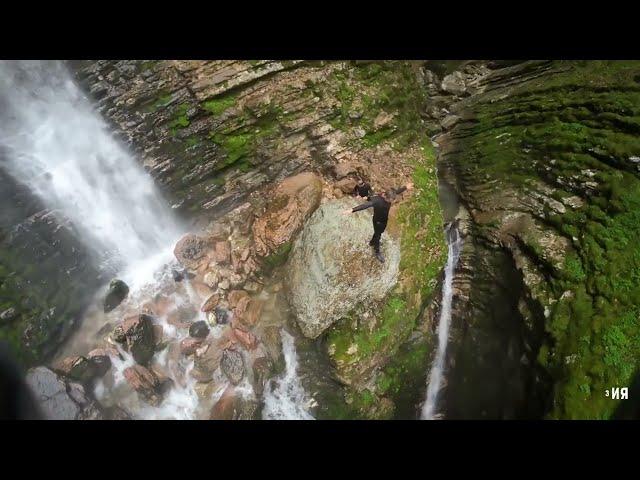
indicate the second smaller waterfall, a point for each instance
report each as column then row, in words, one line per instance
column 437, row 369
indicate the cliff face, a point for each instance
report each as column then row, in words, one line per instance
column 544, row 159
column 219, row 138
column 39, row 252
column 211, row 132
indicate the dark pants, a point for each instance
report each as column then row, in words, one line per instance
column 378, row 228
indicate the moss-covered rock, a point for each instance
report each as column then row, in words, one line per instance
column 362, row 349
column 547, row 163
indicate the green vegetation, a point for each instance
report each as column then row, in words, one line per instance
column 423, row 255
column 148, row 64
column 180, row 119
column 220, row 104
column 395, row 320
column 241, row 145
column 371, row 139
column 162, row 100
column 578, row 130
column 384, row 99
column 277, row 258
column 235, row 146
column 44, row 313
column 356, row 404
column 408, row 365
column 29, row 305
column 192, row 141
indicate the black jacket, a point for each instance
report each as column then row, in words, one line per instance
column 363, row 189
column 380, row 206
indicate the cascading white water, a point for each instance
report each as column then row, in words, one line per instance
column 285, row 397
column 54, row 142
column 437, row 368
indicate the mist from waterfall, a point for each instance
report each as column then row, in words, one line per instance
column 53, row 141
column 436, row 375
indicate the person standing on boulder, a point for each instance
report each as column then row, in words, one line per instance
column 363, row 189
column 381, row 204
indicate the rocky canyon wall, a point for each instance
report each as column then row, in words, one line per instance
column 544, row 159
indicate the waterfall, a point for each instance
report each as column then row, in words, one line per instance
column 437, row 368
column 53, row 141
column 285, row 397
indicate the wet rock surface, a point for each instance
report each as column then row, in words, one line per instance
column 101, row 359
column 145, row 382
column 232, row 406
column 77, row 368
column 232, row 365
column 222, row 315
column 117, row 291
column 199, row 329
column 60, row 399
column 247, row 339
column 211, row 303
column 188, row 346
column 262, row 370
column 191, row 251
column 139, row 337
column 332, row 268
column 39, row 252
column 206, row 362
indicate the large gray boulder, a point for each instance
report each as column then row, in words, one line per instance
column 454, row 83
column 332, row 268
column 60, row 399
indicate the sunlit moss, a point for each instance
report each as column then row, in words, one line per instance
column 578, row 130
column 422, row 257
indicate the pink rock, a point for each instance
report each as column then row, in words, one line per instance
column 189, row 345
column 293, row 201
column 222, row 252
column 191, row 251
column 211, row 303
column 144, row 382
column 247, row 339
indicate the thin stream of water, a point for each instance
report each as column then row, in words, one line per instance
column 436, row 376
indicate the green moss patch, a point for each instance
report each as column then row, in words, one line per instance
column 219, row 105
column 277, row 258
column 578, row 131
column 422, row 257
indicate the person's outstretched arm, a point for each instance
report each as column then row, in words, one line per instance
column 364, row 206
